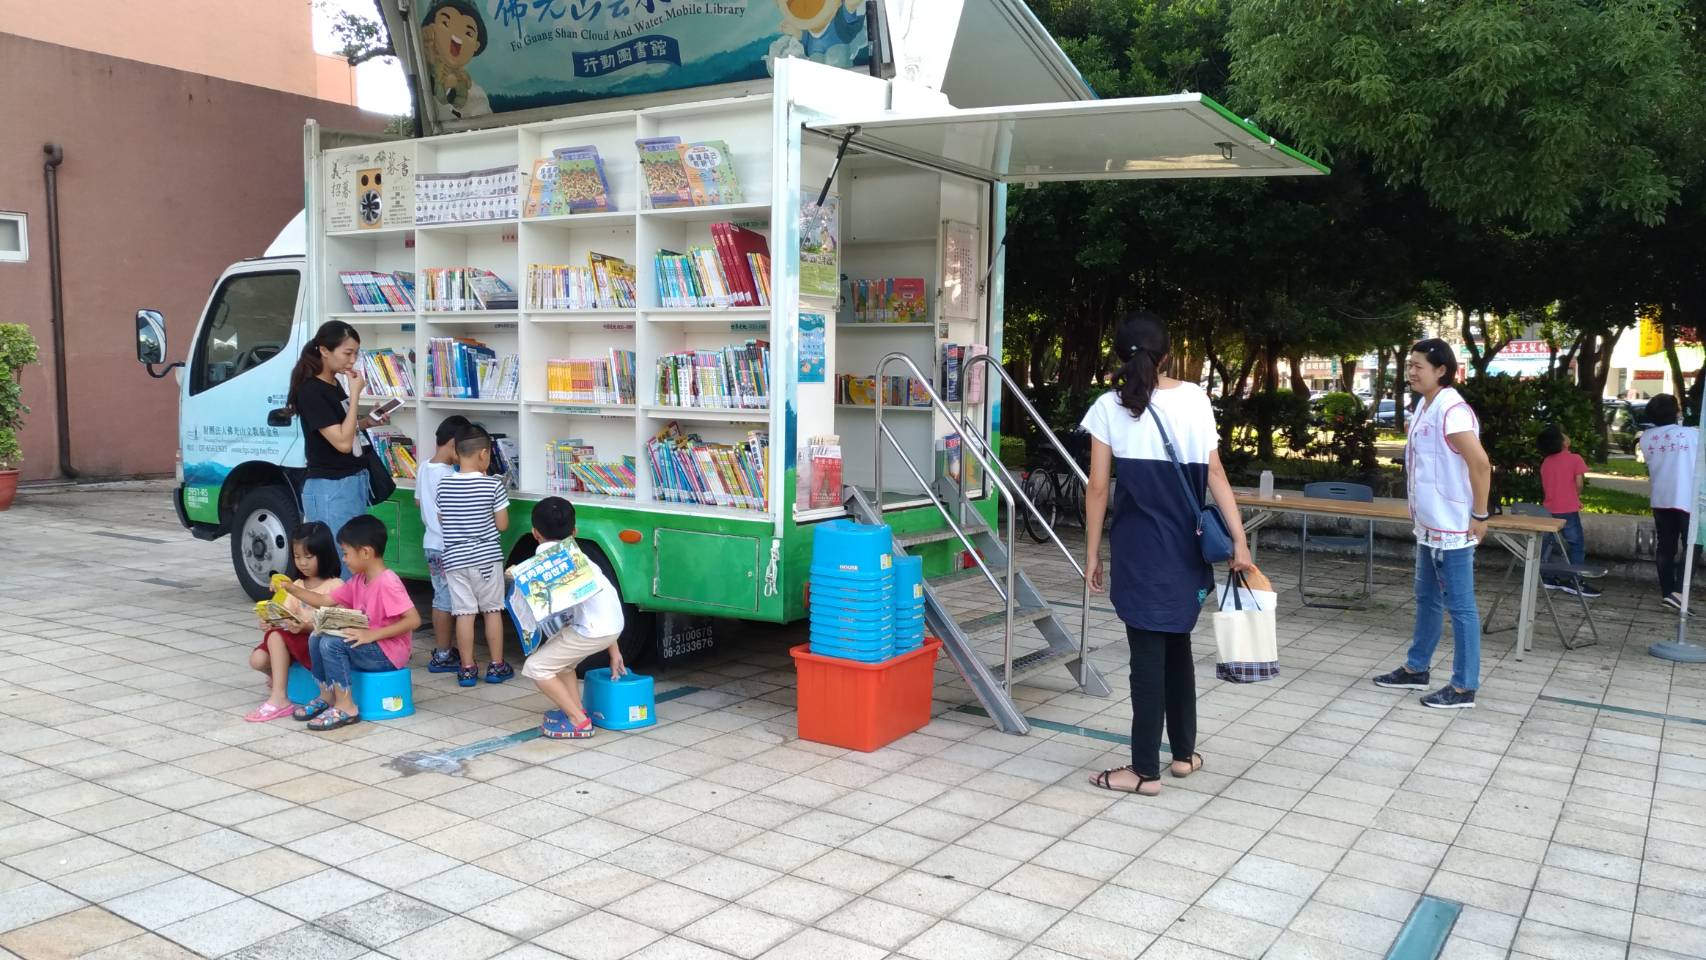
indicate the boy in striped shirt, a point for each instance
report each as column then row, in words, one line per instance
column 473, row 510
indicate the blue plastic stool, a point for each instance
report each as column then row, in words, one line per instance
column 380, row 695
column 625, row 703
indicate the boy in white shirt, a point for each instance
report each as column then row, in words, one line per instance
column 594, row 624
column 1669, row 449
column 442, row 464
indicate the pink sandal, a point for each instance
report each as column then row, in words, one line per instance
column 266, row 712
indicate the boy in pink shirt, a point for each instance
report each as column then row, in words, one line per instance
column 382, row 646
column 1561, row 476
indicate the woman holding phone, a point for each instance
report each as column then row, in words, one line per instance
column 1147, row 429
column 336, row 489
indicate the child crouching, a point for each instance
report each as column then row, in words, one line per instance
column 313, row 566
column 383, row 646
column 594, row 624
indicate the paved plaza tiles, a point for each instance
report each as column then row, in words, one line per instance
column 140, row 816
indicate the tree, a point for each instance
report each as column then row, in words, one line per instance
column 1526, row 113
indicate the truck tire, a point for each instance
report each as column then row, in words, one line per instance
column 260, row 537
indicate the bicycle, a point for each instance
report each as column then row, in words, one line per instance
column 1053, row 488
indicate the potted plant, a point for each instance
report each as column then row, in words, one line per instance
column 17, row 348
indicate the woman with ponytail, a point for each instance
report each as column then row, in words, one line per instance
column 1158, row 577
column 336, row 489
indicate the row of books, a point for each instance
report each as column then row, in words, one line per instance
column 889, row 300
column 463, row 369
column 686, row 469
column 896, row 391
column 591, row 380
column 371, row 292
column 396, row 451
column 389, row 373
column 464, row 288
column 955, row 356
column 734, row 272
column 687, row 174
column 572, row 466
column 491, row 194
column 735, row 377
column 605, row 283
column 571, row 180
column 506, row 459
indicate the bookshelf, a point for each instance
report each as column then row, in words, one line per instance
column 890, row 226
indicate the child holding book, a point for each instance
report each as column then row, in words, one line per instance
column 314, row 565
column 1561, row 476
column 442, row 464
column 473, row 510
column 592, row 625
column 383, row 645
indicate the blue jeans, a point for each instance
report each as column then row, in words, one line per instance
column 440, row 585
column 332, row 660
column 1445, row 580
column 335, row 502
column 1575, row 544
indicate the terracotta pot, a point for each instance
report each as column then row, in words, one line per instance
column 8, row 487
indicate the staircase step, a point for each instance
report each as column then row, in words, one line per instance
column 972, row 572
column 910, row 540
column 1021, row 614
column 1039, row 661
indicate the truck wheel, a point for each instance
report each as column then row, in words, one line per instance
column 260, row 538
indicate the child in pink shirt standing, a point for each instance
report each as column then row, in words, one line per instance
column 383, row 646
column 1561, row 476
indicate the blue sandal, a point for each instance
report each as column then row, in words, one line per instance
column 557, row 727
column 310, row 710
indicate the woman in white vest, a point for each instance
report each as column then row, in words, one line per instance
column 1448, row 474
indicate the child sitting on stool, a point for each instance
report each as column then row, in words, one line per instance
column 594, row 624
column 381, row 647
column 314, row 562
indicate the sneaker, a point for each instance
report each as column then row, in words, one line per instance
column 468, row 675
column 1568, row 588
column 1449, row 697
column 443, row 661
column 498, row 671
column 1587, row 590
column 1673, row 601
column 1403, row 679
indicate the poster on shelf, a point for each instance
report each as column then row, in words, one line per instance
column 820, row 253
column 370, row 188
column 960, row 275
column 812, row 354
column 498, row 56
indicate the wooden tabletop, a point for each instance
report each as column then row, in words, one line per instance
column 1381, row 508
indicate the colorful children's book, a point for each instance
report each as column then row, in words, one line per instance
column 581, row 184
column 542, row 191
column 710, row 173
column 548, row 586
column 665, row 177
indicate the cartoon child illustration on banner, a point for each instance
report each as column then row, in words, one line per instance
column 829, row 31
column 452, row 35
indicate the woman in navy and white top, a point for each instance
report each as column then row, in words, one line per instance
column 1158, row 578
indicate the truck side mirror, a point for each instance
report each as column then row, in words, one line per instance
column 150, row 337
column 151, row 342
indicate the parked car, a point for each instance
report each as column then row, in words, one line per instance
column 1387, row 414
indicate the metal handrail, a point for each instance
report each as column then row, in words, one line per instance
column 1012, row 515
column 966, row 426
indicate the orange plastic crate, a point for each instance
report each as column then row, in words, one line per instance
column 864, row 706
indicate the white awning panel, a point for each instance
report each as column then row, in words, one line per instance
column 1172, row 137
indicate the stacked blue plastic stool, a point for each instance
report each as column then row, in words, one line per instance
column 908, row 603
column 853, row 592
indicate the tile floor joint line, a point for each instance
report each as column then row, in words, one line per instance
column 1632, row 711
column 449, row 762
column 1424, row 934
column 1059, row 727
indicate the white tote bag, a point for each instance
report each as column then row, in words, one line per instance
column 1244, row 632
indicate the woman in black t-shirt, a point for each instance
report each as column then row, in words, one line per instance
column 336, row 489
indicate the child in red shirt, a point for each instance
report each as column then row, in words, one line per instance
column 382, row 646
column 1561, row 476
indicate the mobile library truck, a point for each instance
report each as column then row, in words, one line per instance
column 716, row 272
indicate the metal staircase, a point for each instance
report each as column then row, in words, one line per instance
column 957, row 607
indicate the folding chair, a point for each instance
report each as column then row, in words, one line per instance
column 1335, row 490
column 1558, row 568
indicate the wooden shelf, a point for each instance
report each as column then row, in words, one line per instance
column 612, row 218
column 568, row 409
column 706, row 314
column 713, row 214
column 469, row 226
column 513, row 406
column 372, row 232
column 375, row 319
column 617, row 315
column 470, row 318
column 709, row 414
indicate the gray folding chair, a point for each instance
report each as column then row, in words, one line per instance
column 1556, row 567
column 1336, row 490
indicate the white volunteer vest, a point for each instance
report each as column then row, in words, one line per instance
column 1437, row 476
